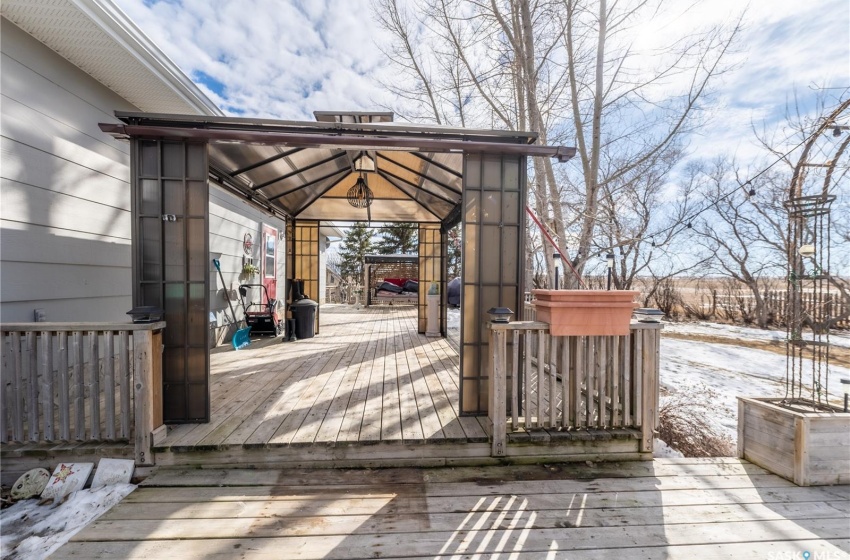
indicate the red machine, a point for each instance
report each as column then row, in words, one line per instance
column 261, row 315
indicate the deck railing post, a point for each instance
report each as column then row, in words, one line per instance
column 650, row 343
column 497, row 410
column 52, row 365
column 143, row 357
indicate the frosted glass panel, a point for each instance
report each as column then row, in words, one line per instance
column 512, row 173
column 196, row 162
column 175, row 314
column 491, row 207
column 510, row 207
column 175, row 251
column 173, row 195
column 149, row 155
column 150, row 197
column 490, row 269
column 492, row 174
column 150, row 232
column 172, row 159
column 197, row 198
column 174, row 362
column 197, row 249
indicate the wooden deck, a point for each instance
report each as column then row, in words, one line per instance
column 368, row 378
column 664, row 509
column 368, row 391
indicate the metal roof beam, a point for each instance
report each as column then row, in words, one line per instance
column 310, row 184
column 420, row 174
column 232, row 184
column 274, row 125
column 342, row 141
column 435, row 163
column 417, row 187
column 298, row 171
column 452, row 219
column 265, row 161
column 318, row 195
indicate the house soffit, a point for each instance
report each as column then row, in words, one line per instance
column 97, row 37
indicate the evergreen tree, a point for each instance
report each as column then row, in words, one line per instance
column 356, row 245
column 453, row 252
column 398, row 239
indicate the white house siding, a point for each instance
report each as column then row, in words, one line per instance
column 64, row 194
column 230, row 220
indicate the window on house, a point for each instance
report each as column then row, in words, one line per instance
column 269, row 271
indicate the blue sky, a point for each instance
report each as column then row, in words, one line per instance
column 285, row 59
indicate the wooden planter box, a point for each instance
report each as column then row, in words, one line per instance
column 807, row 448
column 585, row 312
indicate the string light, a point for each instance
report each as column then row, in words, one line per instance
column 749, row 182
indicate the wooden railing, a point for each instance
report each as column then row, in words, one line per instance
column 572, row 382
column 85, row 382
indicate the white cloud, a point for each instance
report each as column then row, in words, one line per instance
column 282, row 59
column 286, row 59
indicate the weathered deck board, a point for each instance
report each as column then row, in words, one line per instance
column 663, row 509
column 368, row 377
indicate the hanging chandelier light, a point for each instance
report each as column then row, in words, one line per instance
column 360, row 195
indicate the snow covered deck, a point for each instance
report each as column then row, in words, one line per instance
column 667, row 508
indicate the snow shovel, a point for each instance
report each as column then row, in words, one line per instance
column 242, row 337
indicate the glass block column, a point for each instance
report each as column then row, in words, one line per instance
column 171, row 266
column 493, row 246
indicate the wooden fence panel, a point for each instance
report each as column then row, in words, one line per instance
column 109, row 384
column 46, row 374
column 126, row 380
column 605, row 382
column 31, row 375
column 64, row 388
column 80, row 386
column 94, row 384
column 64, row 381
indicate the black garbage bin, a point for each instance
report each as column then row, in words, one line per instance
column 304, row 313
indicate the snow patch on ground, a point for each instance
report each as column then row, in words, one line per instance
column 734, row 332
column 661, row 449
column 453, row 318
column 731, row 371
column 33, row 532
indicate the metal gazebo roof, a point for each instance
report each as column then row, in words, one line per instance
column 305, row 169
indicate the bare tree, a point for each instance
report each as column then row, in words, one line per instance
column 617, row 117
column 564, row 69
column 629, row 207
column 747, row 237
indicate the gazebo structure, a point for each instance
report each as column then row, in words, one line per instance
column 343, row 167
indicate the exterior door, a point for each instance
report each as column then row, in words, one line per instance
column 269, row 271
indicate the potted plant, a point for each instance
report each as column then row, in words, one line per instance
column 249, row 270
